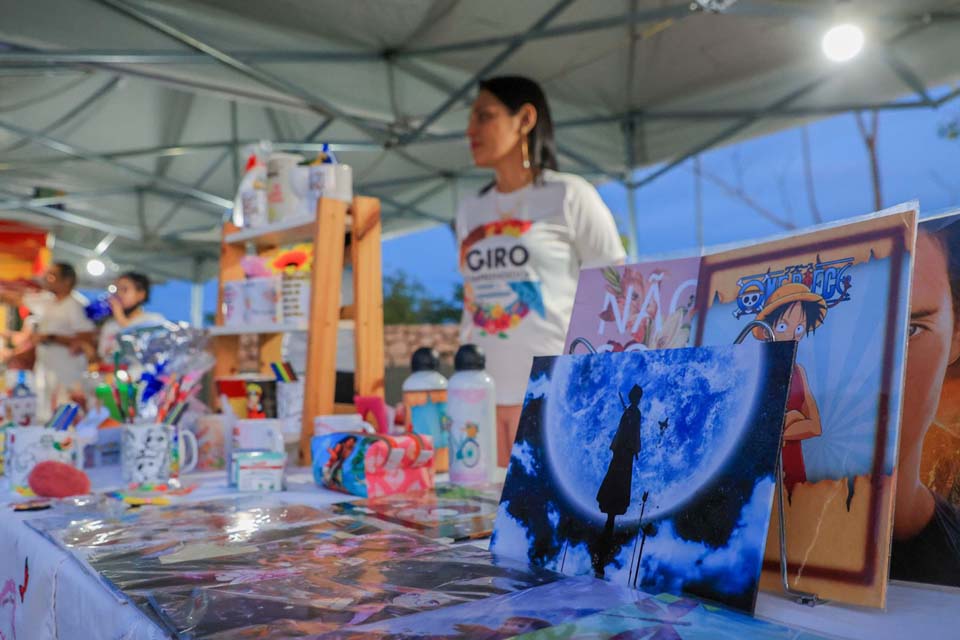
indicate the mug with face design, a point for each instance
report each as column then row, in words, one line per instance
column 147, row 448
column 26, row 446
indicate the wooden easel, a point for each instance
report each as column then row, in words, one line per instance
column 328, row 231
column 325, row 312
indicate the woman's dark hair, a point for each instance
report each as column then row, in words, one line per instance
column 811, row 314
column 140, row 282
column 516, row 91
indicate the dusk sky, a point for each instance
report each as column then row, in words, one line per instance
column 915, row 163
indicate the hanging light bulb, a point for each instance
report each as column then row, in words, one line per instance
column 842, row 42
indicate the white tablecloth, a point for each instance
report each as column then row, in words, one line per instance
column 61, row 600
column 913, row 613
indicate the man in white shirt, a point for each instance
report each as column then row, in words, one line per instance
column 63, row 335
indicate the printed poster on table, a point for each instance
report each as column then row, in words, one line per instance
column 926, row 528
column 450, row 511
column 650, row 469
column 630, row 307
column 842, row 293
column 668, row 617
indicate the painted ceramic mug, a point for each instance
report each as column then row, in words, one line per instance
column 26, row 446
column 211, row 432
column 22, row 409
column 147, row 448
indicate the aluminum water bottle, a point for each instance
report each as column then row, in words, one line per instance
column 425, row 398
column 472, row 409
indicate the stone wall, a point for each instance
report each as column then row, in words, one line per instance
column 400, row 341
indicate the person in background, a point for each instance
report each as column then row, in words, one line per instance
column 132, row 292
column 63, row 336
column 523, row 240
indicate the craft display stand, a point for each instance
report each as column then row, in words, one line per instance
column 328, row 230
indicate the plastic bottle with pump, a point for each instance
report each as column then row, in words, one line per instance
column 425, row 399
column 472, row 409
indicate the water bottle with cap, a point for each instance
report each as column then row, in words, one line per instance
column 425, row 399
column 472, row 409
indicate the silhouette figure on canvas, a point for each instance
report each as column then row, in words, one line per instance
column 613, row 497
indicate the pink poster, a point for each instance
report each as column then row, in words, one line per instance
column 647, row 305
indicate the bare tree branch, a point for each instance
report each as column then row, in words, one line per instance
column 698, row 200
column 808, row 174
column 739, row 194
column 870, row 141
column 947, row 186
column 785, row 195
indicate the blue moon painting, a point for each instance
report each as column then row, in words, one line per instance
column 653, row 469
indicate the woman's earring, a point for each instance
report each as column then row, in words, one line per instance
column 525, row 153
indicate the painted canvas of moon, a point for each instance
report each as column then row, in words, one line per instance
column 706, row 399
column 685, row 511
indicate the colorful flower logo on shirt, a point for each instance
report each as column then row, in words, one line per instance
column 497, row 318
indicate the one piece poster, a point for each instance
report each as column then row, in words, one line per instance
column 630, row 307
column 842, row 293
column 451, row 512
column 668, row 617
column 926, row 526
column 652, row 469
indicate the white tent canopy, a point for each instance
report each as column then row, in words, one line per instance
column 140, row 110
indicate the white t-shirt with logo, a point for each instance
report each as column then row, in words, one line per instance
column 520, row 256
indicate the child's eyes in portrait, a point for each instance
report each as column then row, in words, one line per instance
column 799, row 330
column 781, row 327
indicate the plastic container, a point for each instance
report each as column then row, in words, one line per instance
column 322, row 181
column 250, row 203
column 282, row 200
column 472, row 410
column 425, row 397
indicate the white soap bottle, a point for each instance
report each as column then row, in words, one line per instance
column 425, row 399
column 472, row 409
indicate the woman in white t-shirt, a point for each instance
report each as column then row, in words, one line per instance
column 129, row 293
column 523, row 240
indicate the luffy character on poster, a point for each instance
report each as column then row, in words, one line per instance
column 841, row 292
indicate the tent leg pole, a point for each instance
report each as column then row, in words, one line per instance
column 632, row 213
column 196, row 304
